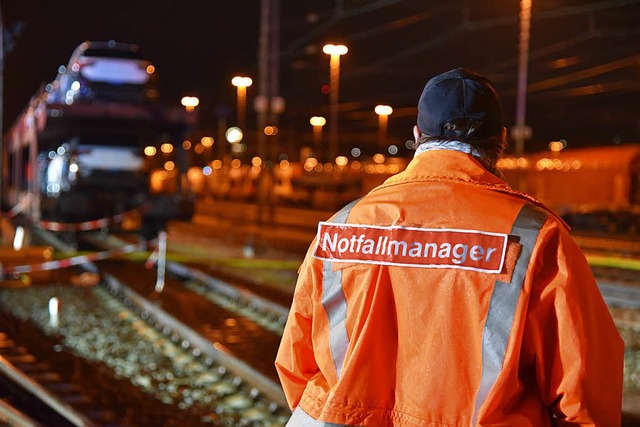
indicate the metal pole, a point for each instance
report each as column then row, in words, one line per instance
column 265, row 96
column 317, row 140
column 523, row 62
column 242, row 107
column 274, row 55
column 334, row 68
column 274, row 93
column 2, row 180
column 162, row 257
column 382, row 131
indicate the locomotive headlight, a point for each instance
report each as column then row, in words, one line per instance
column 73, row 170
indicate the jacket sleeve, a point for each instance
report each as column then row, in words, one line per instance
column 578, row 352
column 295, row 361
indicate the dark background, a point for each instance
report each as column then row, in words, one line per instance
column 584, row 71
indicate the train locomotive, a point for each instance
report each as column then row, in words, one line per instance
column 72, row 160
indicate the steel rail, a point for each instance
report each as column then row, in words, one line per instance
column 15, row 418
column 70, row 414
column 154, row 315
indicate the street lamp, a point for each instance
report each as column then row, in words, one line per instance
column 383, row 112
column 317, row 122
column 190, row 102
column 242, row 83
column 335, row 51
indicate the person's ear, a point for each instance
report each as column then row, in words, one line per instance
column 416, row 133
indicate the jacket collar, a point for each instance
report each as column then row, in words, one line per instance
column 447, row 165
column 447, row 145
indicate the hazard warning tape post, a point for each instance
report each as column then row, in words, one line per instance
column 54, row 306
column 18, row 239
column 162, row 257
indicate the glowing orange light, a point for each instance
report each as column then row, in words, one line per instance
column 331, row 49
column 556, row 146
column 317, row 121
column 190, row 102
column 383, row 110
column 341, row 161
column 240, row 81
column 378, row 158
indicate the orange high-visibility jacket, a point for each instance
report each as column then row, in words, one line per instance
column 444, row 298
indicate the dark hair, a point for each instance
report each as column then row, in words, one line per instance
column 463, row 130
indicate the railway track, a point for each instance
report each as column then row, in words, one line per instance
column 235, row 320
column 100, row 365
column 212, row 383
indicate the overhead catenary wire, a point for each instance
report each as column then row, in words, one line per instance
column 311, row 35
column 468, row 26
column 584, row 74
column 402, row 22
column 543, row 51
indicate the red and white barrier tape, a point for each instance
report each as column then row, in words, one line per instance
column 68, row 226
column 85, row 225
column 67, row 262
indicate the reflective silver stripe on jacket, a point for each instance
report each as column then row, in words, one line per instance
column 504, row 301
column 302, row 419
column 335, row 303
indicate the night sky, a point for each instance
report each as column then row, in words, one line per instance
column 196, row 46
column 395, row 46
